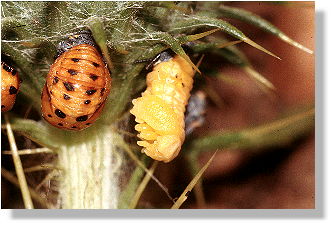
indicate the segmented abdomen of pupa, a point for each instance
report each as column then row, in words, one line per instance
column 160, row 111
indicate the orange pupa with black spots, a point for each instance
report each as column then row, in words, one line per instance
column 10, row 83
column 77, row 85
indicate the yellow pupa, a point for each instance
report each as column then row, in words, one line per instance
column 160, row 110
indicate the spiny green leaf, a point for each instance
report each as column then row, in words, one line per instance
column 230, row 53
column 246, row 16
column 276, row 133
column 235, row 56
column 230, row 43
column 196, row 21
column 181, row 40
column 259, row 78
column 195, row 37
column 191, row 185
column 176, row 47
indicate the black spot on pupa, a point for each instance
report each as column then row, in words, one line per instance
column 75, row 59
column 13, row 72
column 90, row 92
column 6, row 67
column 66, row 97
column 82, row 118
column 12, row 90
column 69, row 86
column 60, row 124
column 102, row 91
column 73, row 127
column 95, row 64
column 93, row 77
column 88, row 124
column 49, row 115
column 55, row 80
column 87, row 102
column 60, row 114
column 72, row 72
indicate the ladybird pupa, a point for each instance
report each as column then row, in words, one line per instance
column 10, row 83
column 77, row 85
column 160, row 110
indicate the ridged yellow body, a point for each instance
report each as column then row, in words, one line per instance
column 160, row 110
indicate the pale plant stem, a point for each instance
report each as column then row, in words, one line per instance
column 28, row 204
column 89, row 178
